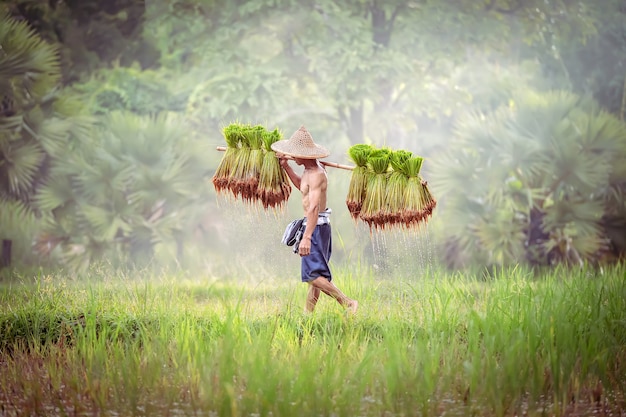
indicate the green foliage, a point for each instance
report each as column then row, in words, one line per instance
column 391, row 73
column 90, row 34
column 594, row 65
column 373, row 71
column 379, row 70
column 37, row 124
column 534, row 181
column 450, row 344
column 29, row 72
column 29, row 65
column 136, row 189
column 130, row 89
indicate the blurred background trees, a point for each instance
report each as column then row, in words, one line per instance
column 133, row 192
column 542, row 180
column 517, row 106
column 35, row 127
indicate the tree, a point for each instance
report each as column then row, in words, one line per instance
column 134, row 193
column 598, row 66
column 35, row 125
column 143, row 92
column 90, row 34
column 542, row 180
column 67, row 180
column 372, row 70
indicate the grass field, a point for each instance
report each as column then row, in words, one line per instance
column 122, row 344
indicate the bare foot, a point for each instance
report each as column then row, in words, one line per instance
column 353, row 306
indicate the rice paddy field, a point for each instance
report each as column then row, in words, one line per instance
column 516, row 343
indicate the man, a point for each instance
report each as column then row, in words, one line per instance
column 315, row 246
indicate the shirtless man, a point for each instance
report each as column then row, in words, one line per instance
column 316, row 246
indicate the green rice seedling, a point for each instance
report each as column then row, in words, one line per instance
column 429, row 202
column 255, row 172
column 358, row 181
column 253, row 164
column 274, row 187
column 414, row 207
column 237, row 182
column 232, row 135
column 519, row 343
column 374, row 208
column 396, row 185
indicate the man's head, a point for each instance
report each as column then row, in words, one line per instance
column 300, row 147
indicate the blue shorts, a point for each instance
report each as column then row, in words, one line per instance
column 315, row 264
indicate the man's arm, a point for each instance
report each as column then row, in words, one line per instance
column 295, row 178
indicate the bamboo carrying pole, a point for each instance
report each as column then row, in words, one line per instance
column 326, row 163
column 416, row 208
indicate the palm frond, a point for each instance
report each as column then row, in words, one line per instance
column 11, row 123
column 565, row 167
column 55, row 192
column 22, row 162
column 67, row 105
column 53, row 134
column 27, row 57
column 502, row 237
column 586, row 214
column 104, row 223
column 536, row 112
column 15, row 215
column 137, row 138
column 458, row 171
column 600, row 133
column 569, row 245
column 102, row 180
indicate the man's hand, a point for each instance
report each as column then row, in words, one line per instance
column 305, row 246
column 283, row 160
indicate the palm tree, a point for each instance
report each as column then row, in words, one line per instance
column 32, row 125
column 135, row 191
column 541, row 180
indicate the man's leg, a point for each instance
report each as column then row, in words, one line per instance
column 311, row 298
column 328, row 288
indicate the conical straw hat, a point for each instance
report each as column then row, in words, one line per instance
column 300, row 145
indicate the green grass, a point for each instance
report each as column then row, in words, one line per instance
column 513, row 344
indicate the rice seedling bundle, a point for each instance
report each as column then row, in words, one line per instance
column 249, row 167
column 250, row 182
column 428, row 200
column 232, row 135
column 396, row 185
column 419, row 202
column 237, row 180
column 413, row 207
column 373, row 209
column 274, row 187
column 358, row 181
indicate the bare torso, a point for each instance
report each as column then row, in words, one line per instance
column 313, row 187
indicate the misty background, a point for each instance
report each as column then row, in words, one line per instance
column 112, row 112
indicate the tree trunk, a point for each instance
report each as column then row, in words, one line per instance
column 355, row 124
column 382, row 28
column 623, row 106
column 5, row 259
column 535, row 238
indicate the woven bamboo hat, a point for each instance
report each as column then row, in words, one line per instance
column 300, row 145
